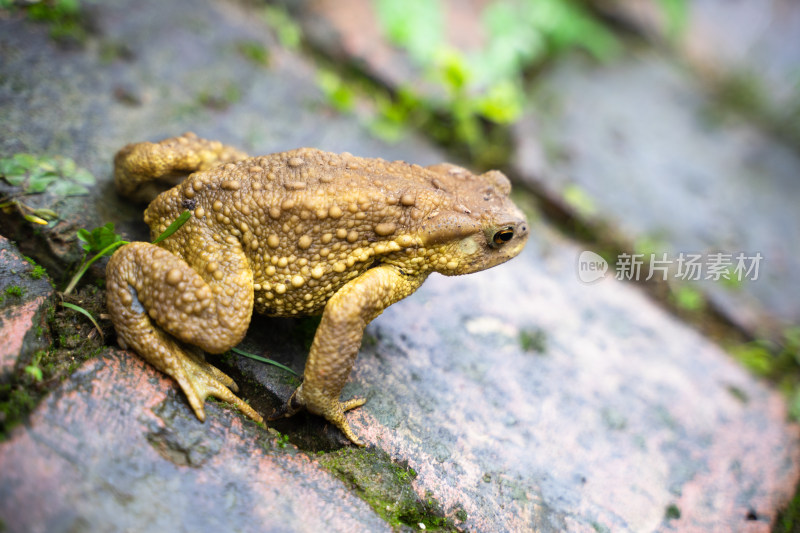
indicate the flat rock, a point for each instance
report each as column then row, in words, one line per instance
column 536, row 402
column 638, row 140
column 24, row 300
column 112, row 450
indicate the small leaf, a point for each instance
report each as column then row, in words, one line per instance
column 10, row 167
column 66, row 188
column 86, row 238
column 68, row 168
column 99, row 238
column 34, row 371
column 7, row 166
column 26, row 161
column 34, row 219
column 39, row 182
column 47, row 214
column 49, row 166
column 83, row 176
column 15, row 180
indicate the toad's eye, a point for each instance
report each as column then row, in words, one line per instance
column 502, row 236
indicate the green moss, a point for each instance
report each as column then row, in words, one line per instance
column 64, row 17
column 369, row 341
column 672, row 512
column 220, row 97
column 789, row 520
column 15, row 404
column 37, row 272
column 386, row 486
column 283, row 25
column 254, row 51
column 777, row 360
column 738, row 393
column 533, row 340
column 14, row 290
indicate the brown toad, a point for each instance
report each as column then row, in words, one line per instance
column 291, row 234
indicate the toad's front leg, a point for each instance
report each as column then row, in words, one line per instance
column 338, row 339
column 156, row 299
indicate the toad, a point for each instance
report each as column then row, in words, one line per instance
column 297, row 233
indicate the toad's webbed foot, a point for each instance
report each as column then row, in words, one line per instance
column 199, row 380
column 331, row 409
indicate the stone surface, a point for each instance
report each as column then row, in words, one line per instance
column 623, row 413
column 113, row 450
column 637, row 137
column 747, row 38
column 23, row 315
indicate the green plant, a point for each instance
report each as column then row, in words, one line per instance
column 580, row 201
column 37, row 272
column 337, row 92
column 488, row 85
column 789, row 520
column 101, row 241
column 37, row 174
column 533, row 340
column 104, row 240
column 63, row 16
column 687, row 298
column 676, row 13
column 283, row 440
column 88, row 315
column 777, row 360
column 672, row 512
column 286, row 29
column 33, row 369
column 254, row 52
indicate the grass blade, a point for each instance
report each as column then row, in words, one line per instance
column 175, row 226
column 86, row 314
column 264, row 360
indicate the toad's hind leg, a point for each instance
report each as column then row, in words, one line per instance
column 139, row 167
column 157, row 300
